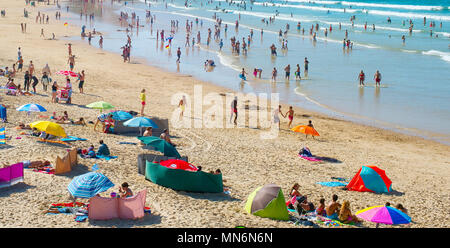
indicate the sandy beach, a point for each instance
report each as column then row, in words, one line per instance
column 418, row 168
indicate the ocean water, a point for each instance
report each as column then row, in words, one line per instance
column 415, row 93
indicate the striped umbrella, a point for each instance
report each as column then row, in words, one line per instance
column 384, row 215
column 31, row 107
column 89, row 185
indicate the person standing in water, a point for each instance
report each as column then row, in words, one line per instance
column 274, row 75
column 287, row 69
column 297, row 73
column 178, row 55
column 306, row 67
column 377, row 78
column 361, row 78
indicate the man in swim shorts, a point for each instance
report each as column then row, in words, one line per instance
column 332, row 210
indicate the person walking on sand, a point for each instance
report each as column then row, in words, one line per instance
column 361, row 78
column 100, row 41
column 31, row 68
column 290, row 115
column 182, row 106
column 276, row 117
column 142, row 97
column 20, row 64
column 234, row 110
column 70, row 49
column 377, row 78
column 71, row 62
column 81, row 77
column 54, row 91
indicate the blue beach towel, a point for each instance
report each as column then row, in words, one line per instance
column 107, row 158
column 72, row 138
column 332, row 184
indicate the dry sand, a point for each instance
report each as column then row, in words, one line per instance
column 418, row 168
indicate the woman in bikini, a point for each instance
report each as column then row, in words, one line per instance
column 345, row 214
column 290, row 115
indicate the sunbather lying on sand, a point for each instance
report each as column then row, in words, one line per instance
column 23, row 126
column 79, row 122
column 38, row 164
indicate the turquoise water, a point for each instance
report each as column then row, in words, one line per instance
column 415, row 93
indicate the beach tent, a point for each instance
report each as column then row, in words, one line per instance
column 372, row 179
column 160, row 145
column 267, row 202
column 184, row 180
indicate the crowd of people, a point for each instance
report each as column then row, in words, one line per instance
column 333, row 210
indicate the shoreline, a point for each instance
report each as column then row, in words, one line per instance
column 327, row 111
column 246, row 162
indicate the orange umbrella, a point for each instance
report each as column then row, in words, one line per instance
column 306, row 130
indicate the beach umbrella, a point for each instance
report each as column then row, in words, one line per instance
column 121, row 115
column 160, row 145
column 49, row 128
column 178, row 164
column 67, row 73
column 384, row 215
column 31, row 107
column 140, row 122
column 305, row 129
column 268, row 202
column 100, row 105
column 89, row 185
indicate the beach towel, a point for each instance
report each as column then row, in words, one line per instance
column 332, row 184
column 54, row 142
column 332, row 223
column 107, row 158
column 127, row 143
column 72, row 138
column 45, row 170
column 340, row 179
column 314, row 159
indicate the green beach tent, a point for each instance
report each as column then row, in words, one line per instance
column 267, row 202
column 179, row 179
column 160, row 145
